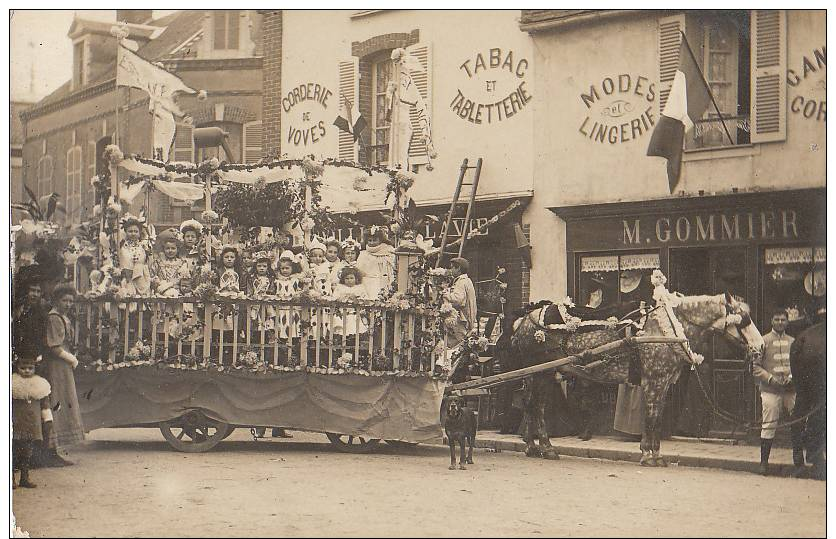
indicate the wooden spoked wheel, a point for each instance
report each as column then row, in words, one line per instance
column 348, row 443
column 194, row 432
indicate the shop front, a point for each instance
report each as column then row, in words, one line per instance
column 767, row 247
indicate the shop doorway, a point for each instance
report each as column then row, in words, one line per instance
column 710, row 271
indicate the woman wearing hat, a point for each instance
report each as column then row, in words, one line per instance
column 29, row 312
column 377, row 264
column 59, row 362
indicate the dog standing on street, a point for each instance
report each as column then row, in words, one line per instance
column 460, row 426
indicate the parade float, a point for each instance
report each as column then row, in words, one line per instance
column 199, row 363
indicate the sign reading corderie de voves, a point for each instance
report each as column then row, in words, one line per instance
column 305, row 106
column 494, row 87
column 619, row 108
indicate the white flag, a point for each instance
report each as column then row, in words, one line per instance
column 161, row 87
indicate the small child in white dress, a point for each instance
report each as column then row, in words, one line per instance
column 350, row 289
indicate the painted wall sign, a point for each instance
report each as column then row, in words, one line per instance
column 495, row 87
column 810, row 106
column 619, row 109
column 299, row 106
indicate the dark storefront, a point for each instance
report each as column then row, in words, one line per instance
column 767, row 247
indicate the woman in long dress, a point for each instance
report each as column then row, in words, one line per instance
column 59, row 362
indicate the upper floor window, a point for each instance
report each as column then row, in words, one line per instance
column 78, row 64
column 381, row 124
column 74, row 184
column 44, row 175
column 226, row 33
column 724, row 48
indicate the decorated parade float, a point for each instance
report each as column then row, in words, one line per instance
column 199, row 348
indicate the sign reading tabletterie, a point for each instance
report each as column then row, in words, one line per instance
column 495, row 88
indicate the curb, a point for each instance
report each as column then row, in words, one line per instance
column 737, row 465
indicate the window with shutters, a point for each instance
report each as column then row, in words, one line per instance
column 183, row 144
column 75, row 172
column 381, row 76
column 226, row 24
column 742, row 55
column 44, row 175
column 79, row 65
column 252, row 145
column 723, row 52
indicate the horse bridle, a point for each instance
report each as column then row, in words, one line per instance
column 746, row 320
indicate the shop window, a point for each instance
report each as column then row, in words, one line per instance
column 44, row 175
column 742, row 55
column 609, row 279
column 381, row 76
column 226, row 29
column 794, row 278
column 75, row 172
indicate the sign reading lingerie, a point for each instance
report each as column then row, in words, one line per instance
column 161, row 86
column 405, row 97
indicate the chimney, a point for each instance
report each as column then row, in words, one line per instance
column 135, row 16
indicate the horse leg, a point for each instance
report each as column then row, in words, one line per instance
column 531, row 449
column 542, row 386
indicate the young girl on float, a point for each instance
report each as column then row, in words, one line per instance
column 287, row 288
column 133, row 258
column 168, row 268
column 261, row 284
column 377, row 264
column 319, row 268
column 229, row 284
column 349, row 289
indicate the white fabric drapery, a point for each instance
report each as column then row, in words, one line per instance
column 795, row 255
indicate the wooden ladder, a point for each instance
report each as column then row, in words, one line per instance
column 474, row 185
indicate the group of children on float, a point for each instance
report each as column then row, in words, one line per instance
column 338, row 271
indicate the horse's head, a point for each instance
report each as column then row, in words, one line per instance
column 724, row 314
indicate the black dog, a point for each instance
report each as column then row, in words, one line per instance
column 460, row 426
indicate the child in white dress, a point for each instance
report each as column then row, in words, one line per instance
column 349, row 289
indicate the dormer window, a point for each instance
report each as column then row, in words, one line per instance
column 79, row 67
column 226, row 29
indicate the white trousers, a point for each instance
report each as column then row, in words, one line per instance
column 772, row 404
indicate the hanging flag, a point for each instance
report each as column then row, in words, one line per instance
column 687, row 102
column 353, row 123
column 161, row 86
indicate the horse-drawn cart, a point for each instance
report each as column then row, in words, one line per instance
column 164, row 369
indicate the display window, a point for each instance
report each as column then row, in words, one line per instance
column 794, row 278
column 606, row 279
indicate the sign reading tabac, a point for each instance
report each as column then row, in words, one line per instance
column 494, row 89
column 619, row 108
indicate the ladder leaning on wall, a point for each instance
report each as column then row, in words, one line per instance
column 474, row 185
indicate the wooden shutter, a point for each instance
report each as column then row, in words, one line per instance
column 349, row 79
column 183, row 144
column 423, row 81
column 669, row 40
column 769, row 67
column 253, row 142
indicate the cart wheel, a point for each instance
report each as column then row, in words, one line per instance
column 399, row 444
column 194, row 432
column 352, row 444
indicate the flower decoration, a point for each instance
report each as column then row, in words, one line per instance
column 114, row 208
column 658, row 278
column 112, row 154
column 312, row 169
column 209, row 215
column 540, row 336
column 567, row 301
column 361, row 183
column 202, row 95
column 734, row 319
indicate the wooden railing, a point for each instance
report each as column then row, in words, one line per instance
column 234, row 332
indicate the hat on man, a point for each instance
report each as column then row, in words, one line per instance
column 461, row 263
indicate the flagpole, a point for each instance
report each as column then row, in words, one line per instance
column 707, row 87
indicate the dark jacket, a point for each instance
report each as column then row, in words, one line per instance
column 29, row 328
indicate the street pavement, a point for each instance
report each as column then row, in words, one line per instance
column 128, row 482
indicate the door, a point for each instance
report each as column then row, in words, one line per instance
column 710, row 271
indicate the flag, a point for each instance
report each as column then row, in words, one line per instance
column 687, row 102
column 161, row 86
column 353, row 123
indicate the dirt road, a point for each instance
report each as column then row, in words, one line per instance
column 129, row 483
